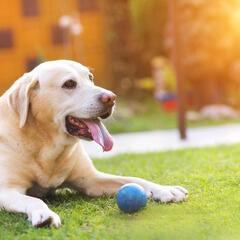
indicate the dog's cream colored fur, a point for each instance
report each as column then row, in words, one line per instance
column 37, row 153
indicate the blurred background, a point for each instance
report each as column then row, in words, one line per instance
column 159, row 56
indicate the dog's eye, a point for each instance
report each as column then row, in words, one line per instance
column 91, row 77
column 70, row 84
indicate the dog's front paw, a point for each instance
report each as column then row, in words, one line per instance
column 166, row 194
column 44, row 217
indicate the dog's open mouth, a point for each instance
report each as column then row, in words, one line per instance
column 90, row 129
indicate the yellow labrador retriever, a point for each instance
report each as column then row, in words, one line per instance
column 42, row 117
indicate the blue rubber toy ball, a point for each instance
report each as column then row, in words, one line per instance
column 131, row 197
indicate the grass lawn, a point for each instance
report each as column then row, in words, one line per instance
column 148, row 115
column 212, row 211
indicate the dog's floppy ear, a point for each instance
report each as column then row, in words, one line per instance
column 19, row 94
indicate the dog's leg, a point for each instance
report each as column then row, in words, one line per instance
column 101, row 183
column 37, row 211
column 85, row 178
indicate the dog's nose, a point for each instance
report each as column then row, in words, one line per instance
column 108, row 98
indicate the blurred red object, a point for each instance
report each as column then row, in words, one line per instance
column 169, row 101
column 169, row 105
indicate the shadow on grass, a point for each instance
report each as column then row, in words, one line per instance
column 64, row 202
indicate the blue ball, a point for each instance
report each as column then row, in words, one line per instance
column 131, row 197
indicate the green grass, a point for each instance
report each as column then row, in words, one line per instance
column 135, row 117
column 212, row 211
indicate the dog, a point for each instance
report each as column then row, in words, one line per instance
column 44, row 116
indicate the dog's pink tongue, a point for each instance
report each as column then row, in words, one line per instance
column 100, row 134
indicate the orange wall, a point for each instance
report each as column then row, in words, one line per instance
column 32, row 37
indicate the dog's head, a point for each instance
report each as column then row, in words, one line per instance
column 63, row 93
